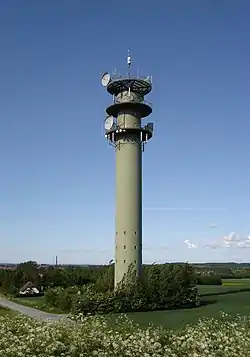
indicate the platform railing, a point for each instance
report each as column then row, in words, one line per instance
column 131, row 76
column 132, row 100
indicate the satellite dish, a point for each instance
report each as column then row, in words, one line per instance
column 109, row 121
column 106, row 79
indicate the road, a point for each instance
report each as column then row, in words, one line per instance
column 29, row 311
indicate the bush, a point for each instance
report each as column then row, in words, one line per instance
column 105, row 282
column 61, row 298
column 90, row 301
column 209, row 280
column 159, row 287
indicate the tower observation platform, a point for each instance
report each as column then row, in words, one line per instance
column 124, row 130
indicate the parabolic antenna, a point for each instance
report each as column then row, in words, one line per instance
column 106, row 79
column 109, row 121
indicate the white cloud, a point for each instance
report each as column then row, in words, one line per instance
column 235, row 240
column 228, row 244
column 231, row 239
column 190, row 245
column 212, row 245
column 244, row 243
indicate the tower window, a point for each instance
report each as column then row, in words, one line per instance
column 124, row 232
column 124, row 247
column 124, row 261
column 135, row 246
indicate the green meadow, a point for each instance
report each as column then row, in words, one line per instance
column 232, row 297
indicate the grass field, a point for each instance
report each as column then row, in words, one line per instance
column 228, row 285
column 4, row 311
column 37, row 302
column 233, row 297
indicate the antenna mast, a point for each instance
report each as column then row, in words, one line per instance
column 129, row 62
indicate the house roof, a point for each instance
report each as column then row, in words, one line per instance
column 28, row 285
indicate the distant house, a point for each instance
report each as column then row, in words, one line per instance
column 29, row 289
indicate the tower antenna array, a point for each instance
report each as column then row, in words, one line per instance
column 129, row 60
column 124, row 131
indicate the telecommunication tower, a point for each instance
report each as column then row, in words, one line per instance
column 124, row 131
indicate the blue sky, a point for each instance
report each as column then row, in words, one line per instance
column 57, row 170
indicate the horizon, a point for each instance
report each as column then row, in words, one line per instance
column 57, row 169
column 87, row 265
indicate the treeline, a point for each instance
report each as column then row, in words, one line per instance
column 11, row 281
column 216, row 273
column 91, row 290
column 65, row 277
column 223, row 271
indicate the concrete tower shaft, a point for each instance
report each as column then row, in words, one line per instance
column 127, row 135
column 128, row 196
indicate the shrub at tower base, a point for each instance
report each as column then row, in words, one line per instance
column 160, row 287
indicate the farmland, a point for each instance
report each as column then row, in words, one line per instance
column 232, row 298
